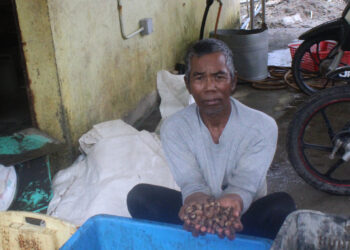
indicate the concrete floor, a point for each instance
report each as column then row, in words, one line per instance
column 282, row 104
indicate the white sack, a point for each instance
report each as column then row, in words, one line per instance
column 117, row 158
column 173, row 93
column 8, row 186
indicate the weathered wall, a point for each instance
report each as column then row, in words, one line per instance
column 43, row 85
column 104, row 76
column 44, row 89
column 89, row 69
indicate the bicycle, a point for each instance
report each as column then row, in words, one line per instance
column 318, row 140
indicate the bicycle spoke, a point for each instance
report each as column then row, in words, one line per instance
column 318, row 52
column 317, row 147
column 333, row 83
column 313, row 58
column 331, row 53
column 325, row 85
column 333, row 168
column 328, row 124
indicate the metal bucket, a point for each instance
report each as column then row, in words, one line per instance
column 250, row 51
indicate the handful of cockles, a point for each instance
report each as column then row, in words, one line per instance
column 211, row 217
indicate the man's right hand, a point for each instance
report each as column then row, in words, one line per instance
column 195, row 198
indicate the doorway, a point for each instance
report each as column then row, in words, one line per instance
column 14, row 106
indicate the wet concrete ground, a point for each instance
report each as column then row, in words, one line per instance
column 282, row 105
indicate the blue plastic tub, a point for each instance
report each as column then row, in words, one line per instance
column 113, row 232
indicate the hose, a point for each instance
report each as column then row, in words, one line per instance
column 217, row 18
column 288, row 79
column 209, row 3
column 279, row 78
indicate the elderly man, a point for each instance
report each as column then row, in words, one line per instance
column 217, row 148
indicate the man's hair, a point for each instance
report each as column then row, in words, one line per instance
column 209, row 46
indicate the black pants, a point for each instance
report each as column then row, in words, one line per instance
column 264, row 217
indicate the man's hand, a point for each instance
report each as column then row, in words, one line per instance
column 234, row 201
column 203, row 214
column 193, row 199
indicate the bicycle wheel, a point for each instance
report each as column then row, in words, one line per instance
column 310, row 65
column 312, row 136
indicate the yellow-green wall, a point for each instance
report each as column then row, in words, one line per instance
column 83, row 72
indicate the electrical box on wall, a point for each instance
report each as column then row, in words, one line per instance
column 147, row 26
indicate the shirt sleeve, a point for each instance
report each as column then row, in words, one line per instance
column 181, row 159
column 255, row 158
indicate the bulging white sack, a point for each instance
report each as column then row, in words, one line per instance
column 117, row 157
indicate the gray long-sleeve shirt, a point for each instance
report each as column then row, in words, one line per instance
column 237, row 164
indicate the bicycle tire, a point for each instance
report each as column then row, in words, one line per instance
column 311, row 80
column 296, row 133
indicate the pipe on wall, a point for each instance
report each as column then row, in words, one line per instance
column 120, row 7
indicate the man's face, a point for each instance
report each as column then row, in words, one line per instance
column 210, row 83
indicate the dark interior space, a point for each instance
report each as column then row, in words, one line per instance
column 14, row 106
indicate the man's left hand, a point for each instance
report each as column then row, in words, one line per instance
column 234, row 201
